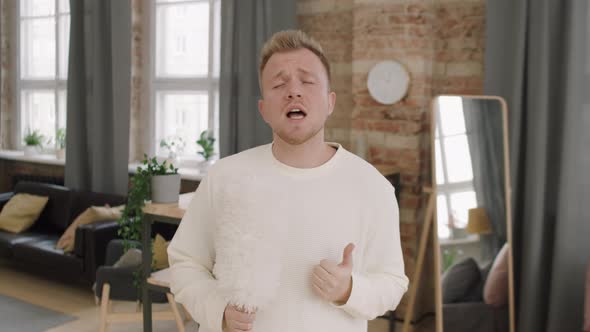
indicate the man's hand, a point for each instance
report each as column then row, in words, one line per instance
column 333, row 281
column 235, row 320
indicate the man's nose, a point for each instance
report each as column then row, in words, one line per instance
column 294, row 92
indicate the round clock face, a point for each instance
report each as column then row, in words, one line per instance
column 388, row 82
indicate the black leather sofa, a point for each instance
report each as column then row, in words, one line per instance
column 35, row 249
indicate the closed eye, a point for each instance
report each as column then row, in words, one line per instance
column 278, row 85
column 308, row 82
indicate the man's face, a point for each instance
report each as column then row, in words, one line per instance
column 296, row 101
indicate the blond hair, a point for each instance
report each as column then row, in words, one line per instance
column 291, row 40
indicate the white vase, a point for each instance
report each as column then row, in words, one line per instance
column 204, row 165
column 165, row 188
column 31, row 150
column 60, row 154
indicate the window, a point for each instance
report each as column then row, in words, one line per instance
column 43, row 34
column 454, row 175
column 185, row 73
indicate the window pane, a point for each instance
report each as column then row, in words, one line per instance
column 216, row 121
column 458, row 159
column 181, row 115
column 451, row 115
column 440, row 176
column 182, row 40
column 37, row 7
column 217, row 38
column 64, row 6
column 38, row 113
column 61, row 103
column 38, row 48
column 442, row 217
column 64, row 42
column 460, row 204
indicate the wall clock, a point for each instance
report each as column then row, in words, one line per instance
column 388, row 82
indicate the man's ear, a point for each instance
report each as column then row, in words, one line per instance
column 331, row 102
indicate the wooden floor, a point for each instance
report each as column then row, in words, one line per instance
column 78, row 301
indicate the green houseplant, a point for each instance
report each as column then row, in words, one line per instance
column 60, row 141
column 206, row 141
column 33, row 142
column 141, row 190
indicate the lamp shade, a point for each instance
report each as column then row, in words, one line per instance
column 478, row 223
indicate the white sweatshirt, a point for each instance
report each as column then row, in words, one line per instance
column 344, row 200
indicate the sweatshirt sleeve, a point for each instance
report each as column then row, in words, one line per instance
column 191, row 255
column 379, row 283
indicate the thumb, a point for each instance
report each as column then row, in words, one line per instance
column 347, row 256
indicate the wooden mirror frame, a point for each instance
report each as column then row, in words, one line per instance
column 433, row 219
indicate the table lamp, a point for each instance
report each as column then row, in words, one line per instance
column 478, row 222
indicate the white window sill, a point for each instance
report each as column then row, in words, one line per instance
column 471, row 238
column 41, row 158
column 186, row 173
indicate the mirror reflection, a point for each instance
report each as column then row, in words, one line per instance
column 471, row 213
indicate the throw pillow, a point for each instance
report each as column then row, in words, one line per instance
column 90, row 215
column 459, row 280
column 495, row 291
column 130, row 258
column 21, row 212
column 160, row 258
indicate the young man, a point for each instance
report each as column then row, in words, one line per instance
column 341, row 260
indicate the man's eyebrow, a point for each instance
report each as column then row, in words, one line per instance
column 305, row 71
column 280, row 73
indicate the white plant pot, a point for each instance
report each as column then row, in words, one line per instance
column 31, row 150
column 165, row 188
column 60, row 154
column 204, row 165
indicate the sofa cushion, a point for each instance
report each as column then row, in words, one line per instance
column 90, row 215
column 21, row 212
column 8, row 240
column 44, row 254
column 82, row 200
column 459, row 281
column 55, row 218
column 495, row 291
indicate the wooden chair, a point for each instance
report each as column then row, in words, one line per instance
column 117, row 283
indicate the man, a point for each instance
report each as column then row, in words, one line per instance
column 342, row 262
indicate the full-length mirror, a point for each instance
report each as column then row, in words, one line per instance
column 472, row 216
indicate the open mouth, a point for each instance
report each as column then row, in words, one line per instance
column 296, row 114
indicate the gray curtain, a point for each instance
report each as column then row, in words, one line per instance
column 483, row 121
column 245, row 26
column 537, row 57
column 98, row 102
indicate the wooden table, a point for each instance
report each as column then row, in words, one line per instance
column 165, row 213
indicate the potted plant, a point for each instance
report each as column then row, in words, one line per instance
column 60, row 140
column 33, row 142
column 158, row 181
column 164, row 182
column 175, row 146
column 206, row 141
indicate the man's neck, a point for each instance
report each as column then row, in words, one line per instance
column 313, row 153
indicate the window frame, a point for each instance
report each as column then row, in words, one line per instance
column 56, row 84
column 208, row 84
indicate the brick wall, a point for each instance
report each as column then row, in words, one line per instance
column 441, row 45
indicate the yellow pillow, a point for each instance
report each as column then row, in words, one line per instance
column 21, row 212
column 90, row 215
column 160, row 258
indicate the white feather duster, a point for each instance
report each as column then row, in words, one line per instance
column 248, row 243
